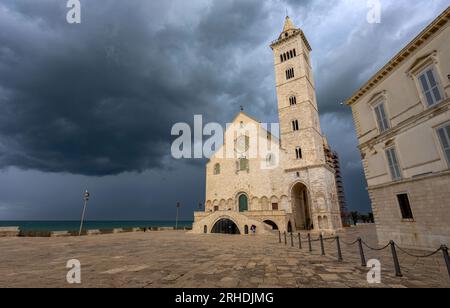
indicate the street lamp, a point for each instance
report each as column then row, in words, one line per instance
column 86, row 199
column 176, row 221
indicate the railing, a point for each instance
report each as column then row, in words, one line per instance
column 361, row 244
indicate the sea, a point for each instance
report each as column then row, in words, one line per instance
column 48, row 226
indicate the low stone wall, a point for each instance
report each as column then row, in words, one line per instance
column 15, row 231
column 9, row 231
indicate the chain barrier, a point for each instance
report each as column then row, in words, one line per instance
column 417, row 256
column 376, row 249
column 362, row 243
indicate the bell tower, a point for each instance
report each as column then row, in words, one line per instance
column 300, row 132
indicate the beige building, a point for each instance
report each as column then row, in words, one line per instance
column 402, row 120
column 290, row 188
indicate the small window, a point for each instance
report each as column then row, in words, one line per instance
column 429, row 84
column 444, row 136
column 291, row 54
column 290, row 73
column 216, row 169
column 380, row 112
column 292, row 101
column 393, row 164
column 274, row 206
column 295, row 125
column 295, row 53
column 298, row 153
column 405, row 206
column 216, row 208
column 281, row 58
column 243, row 164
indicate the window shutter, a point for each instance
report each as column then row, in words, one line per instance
column 444, row 136
column 393, row 164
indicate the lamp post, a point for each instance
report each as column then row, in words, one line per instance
column 86, row 199
column 176, row 221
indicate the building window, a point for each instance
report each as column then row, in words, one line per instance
column 393, row 164
column 270, row 160
column 290, row 73
column 274, row 206
column 292, row 100
column 243, row 164
column 216, row 169
column 281, row 57
column 295, row 53
column 298, row 153
column 444, row 136
column 295, row 125
column 380, row 112
column 430, row 87
column 405, row 206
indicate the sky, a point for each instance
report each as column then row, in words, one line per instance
column 91, row 105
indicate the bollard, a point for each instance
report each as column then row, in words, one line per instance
column 285, row 239
column 309, row 242
column 279, row 237
column 322, row 248
column 299, row 241
column 398, row 272
column 292, row 239
column 339, row 252
column 446, row 258
column 361, row 253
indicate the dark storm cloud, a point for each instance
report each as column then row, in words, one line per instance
column 100, row 98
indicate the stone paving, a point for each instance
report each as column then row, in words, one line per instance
column 179, row 259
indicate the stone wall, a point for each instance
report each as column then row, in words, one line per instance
column 430, row 204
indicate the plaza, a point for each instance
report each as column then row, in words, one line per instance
column 179, row 259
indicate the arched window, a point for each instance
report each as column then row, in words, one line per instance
column 298, row 153
column 281, row 57
column 292, row 100
column 291, row 53
column 216, row 169
column 295, row 54
column 290, row 73
column 295, row 126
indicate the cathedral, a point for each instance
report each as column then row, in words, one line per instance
column 290, row 189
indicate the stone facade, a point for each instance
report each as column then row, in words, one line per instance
column 289, row 188
column 402, row 119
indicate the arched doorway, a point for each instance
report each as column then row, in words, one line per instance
column 225, row 226
column 243, row 203
column 301, row 207
column 272, row 224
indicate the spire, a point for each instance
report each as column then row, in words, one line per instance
column 288, row 25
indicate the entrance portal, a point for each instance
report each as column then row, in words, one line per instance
column 272, row 224
column 301, row 207
column 225, row 226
